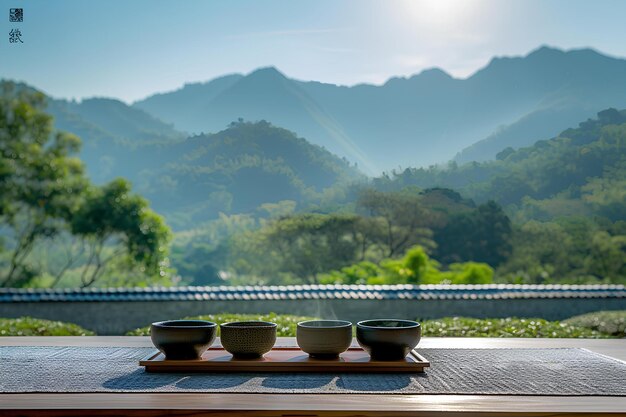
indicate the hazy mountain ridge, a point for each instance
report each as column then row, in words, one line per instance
column 423, row 119
column 239, row 169
column 193, row 179
column 580, row 172
column 118, row 140
column 588, row 82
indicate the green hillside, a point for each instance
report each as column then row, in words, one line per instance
column 566, row 197
column 580, row 172
column 117, row 139
column 239, row 169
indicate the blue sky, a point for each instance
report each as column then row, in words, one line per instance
column 129, row 49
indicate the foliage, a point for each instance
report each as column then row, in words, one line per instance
column 260, row 205
column 111, row 215
column 45, row 199
column 592, row 325
column 573, row 250
column 355, row 247
column 609, row 322
column 565, row 196
column 508, row 327
column 239, row 170
column 447, row 326
column 28, row 326
column 40, row 183
column 481, row 235
column 405, row 219
column 585, row 164
column 286, row 323
column 414, row 268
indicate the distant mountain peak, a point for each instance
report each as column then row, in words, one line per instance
column 102, row 100
column 266, row 72
column 418, row 119
column 545, row 50
column 430, row 74
column 195, row 84
column 433, row 73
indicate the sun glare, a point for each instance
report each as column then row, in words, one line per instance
column 438, row 12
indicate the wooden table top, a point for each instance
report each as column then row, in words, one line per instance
column 300, row 405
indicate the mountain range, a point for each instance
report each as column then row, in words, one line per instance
column 579, row 173
column 429, row 118
column 164, row 143
column 424, row 119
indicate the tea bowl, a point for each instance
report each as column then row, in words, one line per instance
column 183, row 339
column 248, row 339
column 388, row 339
column 324, row 338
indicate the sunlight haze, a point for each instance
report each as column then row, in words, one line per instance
column 130, row 50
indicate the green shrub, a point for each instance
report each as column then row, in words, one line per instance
column 610, row 322
column 508, row 327
column 28, row 326
column 286, row 323
column 414, row 268
column 449, row 326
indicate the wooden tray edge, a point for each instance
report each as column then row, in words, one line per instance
column 200, row 366
column 420, row 359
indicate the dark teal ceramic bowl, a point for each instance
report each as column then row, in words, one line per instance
column 183, row 339
column 388, row 339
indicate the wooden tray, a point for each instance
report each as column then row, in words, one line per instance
column 284, row 359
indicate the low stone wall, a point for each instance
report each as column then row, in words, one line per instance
column 118, row 317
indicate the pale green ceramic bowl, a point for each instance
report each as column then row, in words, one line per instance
column 324, row 338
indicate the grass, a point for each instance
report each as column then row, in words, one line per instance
column 601, row 324
column 609, row 322
column 450, row 326
column 286, row 323
column 28, row 326
column 508, row 327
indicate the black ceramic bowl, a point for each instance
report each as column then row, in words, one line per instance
column 248, row 339
column 183, row 339
column 388, row 339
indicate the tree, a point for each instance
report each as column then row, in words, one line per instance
column 40, row 183
column 481, row 235
column 503, row 154
column 119, row 225
column 541, row 252
column 309, row 244
column 296, row 248
column 405, row 221
column 607, row 257
column 44, row 194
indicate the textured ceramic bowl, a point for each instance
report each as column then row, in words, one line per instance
column 388, row 339
column 248, row 339
column 183, row 339
column 324, row 338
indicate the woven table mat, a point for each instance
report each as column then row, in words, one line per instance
column 566, row 372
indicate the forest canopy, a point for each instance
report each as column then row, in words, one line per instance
column 46, row 202
column 256, row 204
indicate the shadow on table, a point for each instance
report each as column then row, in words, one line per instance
column 373, row 382
column 297, row 381
column 212, row 381
column 140, row 380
